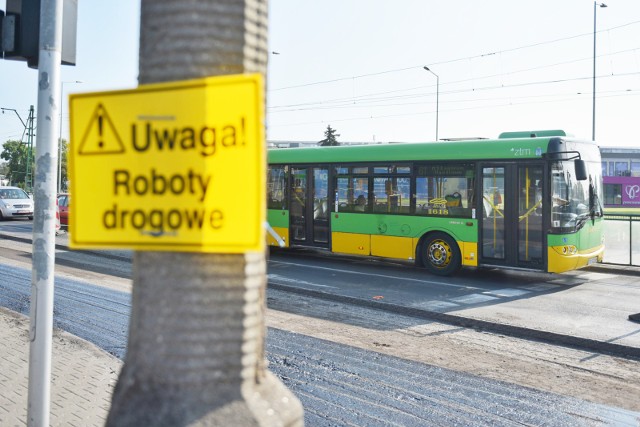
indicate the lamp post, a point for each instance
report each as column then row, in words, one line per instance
column 593, row 118
column 28, row 128
column 17, row 114
column 60, row 140
column 437, row 97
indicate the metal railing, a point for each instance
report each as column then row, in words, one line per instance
column 622, row 239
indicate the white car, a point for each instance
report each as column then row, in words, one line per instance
column 15, row 203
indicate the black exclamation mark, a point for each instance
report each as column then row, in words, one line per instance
column 100, row 141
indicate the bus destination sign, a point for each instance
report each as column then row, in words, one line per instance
column 172, row 166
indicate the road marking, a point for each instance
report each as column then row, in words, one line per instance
column 435, row 305
column 507, row 292
column 474, row 299
column 287, row 280
column 384, row 276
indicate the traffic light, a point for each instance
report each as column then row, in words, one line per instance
column 21, row 31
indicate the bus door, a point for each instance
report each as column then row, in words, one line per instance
column 512, row 226
column 309, row 207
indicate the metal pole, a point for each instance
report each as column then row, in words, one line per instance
column 42, row 279
column 437, row 97
column 28, row 175
column 593, row 117
column 630, row 240
column 437, row 104
column 60, row 139
column 17, row 114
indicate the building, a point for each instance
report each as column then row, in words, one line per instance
column 621, row 176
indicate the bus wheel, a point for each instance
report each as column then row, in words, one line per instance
column 439, row 253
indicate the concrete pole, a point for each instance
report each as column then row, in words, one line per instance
column 44, row 193
column 195, row 354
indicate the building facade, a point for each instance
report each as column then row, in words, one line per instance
column 621, row 176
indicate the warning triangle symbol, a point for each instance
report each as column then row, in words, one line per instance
column 101, row 136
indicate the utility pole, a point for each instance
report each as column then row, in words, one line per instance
column 30, row 132
column 195, row 354
column 28, row 177
column 44, row 194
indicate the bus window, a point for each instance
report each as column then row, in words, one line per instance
column 352, row 194
column 391, row 194
column 445, row 190
column 569, row 197
column 276, row 187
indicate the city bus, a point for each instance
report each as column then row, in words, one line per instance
column 530, row 201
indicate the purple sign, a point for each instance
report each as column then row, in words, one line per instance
column 629, row 189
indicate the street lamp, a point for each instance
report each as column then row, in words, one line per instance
column 593, row 118
column 17, row 114
column 60, row 140
column 437, row 97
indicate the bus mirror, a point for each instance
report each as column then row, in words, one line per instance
column 581, row 169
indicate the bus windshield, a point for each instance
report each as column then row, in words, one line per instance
column 574, row 201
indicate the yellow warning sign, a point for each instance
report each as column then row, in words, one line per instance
column 176, row 166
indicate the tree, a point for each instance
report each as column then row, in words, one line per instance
column 16, row 154
column 330, row 138
column 65, row 165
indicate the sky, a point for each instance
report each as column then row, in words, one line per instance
column 358, row 66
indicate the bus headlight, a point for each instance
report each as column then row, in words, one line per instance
column 569, row 250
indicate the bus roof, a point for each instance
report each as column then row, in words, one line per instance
column 532, row 134
column 517, row 148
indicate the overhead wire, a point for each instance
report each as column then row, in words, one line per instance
column 346, row 102
column 634, row 92
column 356, row 98
column 391, row 98
column 467, row 58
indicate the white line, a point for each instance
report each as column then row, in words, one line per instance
column 297, row 282
column 384, row 276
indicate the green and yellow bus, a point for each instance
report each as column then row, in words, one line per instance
column 522, row 201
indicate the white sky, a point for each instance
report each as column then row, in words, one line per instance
column 357, row 65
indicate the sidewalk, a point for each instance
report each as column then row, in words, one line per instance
column 82, row 380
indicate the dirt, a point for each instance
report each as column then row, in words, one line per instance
column 592, row 377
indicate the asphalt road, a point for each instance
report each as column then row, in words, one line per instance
column 338, row 384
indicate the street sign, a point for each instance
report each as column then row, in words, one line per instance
column 176, row 166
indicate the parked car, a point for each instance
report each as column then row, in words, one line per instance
column 63, row 207
column 57, row 218
column 15, row 203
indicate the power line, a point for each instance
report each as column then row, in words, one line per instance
column 634, row 92
column 342, row 103
column 364, row 96
column 590, row 34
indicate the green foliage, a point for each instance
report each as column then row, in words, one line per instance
column 16, row 155
column 15, row 167
column 65, row 163
column 330, row 138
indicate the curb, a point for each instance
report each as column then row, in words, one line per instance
column 66, row 247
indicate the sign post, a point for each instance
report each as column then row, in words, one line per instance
column 195, row 353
